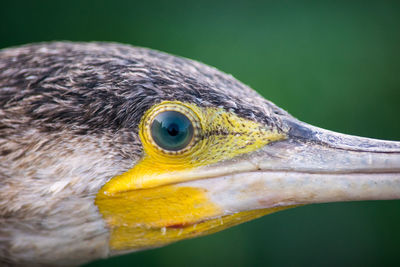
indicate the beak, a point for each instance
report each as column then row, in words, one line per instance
column 312, row 165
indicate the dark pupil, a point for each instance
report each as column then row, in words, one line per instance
column 172, row 130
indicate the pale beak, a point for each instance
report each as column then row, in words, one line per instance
column 311, row 166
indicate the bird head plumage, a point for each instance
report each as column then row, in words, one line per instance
column 108, row 148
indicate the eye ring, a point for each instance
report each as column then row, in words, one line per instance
column 183, row 114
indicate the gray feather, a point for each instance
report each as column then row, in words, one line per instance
column 69, row 115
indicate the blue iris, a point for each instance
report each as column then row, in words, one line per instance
column 172, row 130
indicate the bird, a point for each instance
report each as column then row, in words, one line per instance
column 107, row 149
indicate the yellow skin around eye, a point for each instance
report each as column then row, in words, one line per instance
column 224, row 136
column 145, row 207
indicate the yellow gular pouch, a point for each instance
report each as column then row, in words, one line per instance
column 147, row 207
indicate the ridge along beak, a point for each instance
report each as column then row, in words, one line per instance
column 312, row 165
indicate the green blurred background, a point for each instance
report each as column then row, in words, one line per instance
column 334, row 64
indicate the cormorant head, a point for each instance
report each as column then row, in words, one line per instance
column 108, row 148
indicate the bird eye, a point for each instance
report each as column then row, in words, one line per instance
column 172, row 130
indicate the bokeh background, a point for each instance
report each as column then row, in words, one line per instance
column 335, row 64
